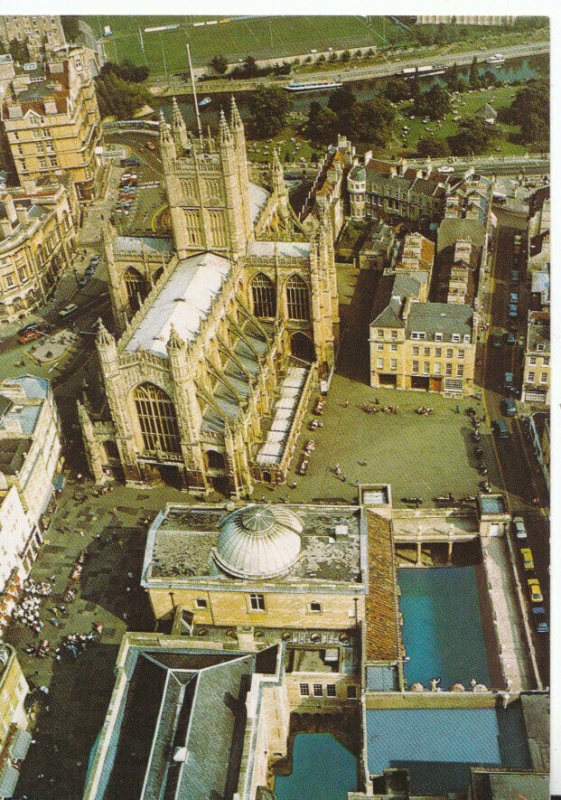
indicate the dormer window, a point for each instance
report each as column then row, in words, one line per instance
column 418, row 335
column 438, row 337
column 455, row 337
column 467, row 338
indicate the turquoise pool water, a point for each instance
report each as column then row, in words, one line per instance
column 321, row 767
column 442, row 630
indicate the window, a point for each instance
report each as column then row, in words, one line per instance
column 415, row 350
column 437, row 337
column 426, row 368
column 415, row 367
column 380, row 333
column 455, row 337
column 264, row 296
column 394, row 334
column 315, row 607
column 533, row 360
column 9, row 280
column 304, row 690
column 330, row 690
column 393, row 363
column 546, row 361
column 351, row 692
column 393, row 347
column 257, row 601
column 461, row 353
column 297, row 298
column 318, row 690
column 449, row 353
column 137, row 288
column 438, row 352
column 448, row 369
column 467, row 338
column 460, row 371
column 531, row 377
column 22, row 275
column 380, row 348
column 540, row 347
column 200, row 602
column 379, row 363
column 157, row 419
column 437, row 368
column 543, row 377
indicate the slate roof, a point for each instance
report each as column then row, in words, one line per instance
column 139, row 244
column 390, row 296
column 445, row 318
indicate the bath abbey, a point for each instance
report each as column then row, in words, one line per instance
column 223, row 330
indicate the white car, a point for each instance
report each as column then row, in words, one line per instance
column 519, row 528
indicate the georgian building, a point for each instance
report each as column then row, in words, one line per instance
column 223, row 330
column 40, row 33
column 14, row 738
column 51, row 123
column 37, row 240
column 536, row 377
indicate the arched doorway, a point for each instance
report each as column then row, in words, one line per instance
column 215, row 460
column 301, row 346
column 136, row 286
column 157, row 419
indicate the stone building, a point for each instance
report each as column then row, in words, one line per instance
column 40, row 33
column 415, row 344
column 14, row 738
column 51, row 123
column 37, row 240
column 536, row 375
column 224, row 329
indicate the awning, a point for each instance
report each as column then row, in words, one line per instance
column 9, row 777
column 20, row 744
column 59, row 482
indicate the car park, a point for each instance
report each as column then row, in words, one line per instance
column 535, row 590
column 519, row 528
column 527, row 558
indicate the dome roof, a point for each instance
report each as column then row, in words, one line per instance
column 258, row 542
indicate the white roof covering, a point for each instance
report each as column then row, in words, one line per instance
column 258, row 542
column 258, row 197
column 287, row 249
column 271, row 451
column 184, row 301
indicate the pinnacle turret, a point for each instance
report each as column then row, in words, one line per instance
column 235, row 118
column 224, row 130
column 175, row 342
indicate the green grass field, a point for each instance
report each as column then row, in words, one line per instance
column 260, row 37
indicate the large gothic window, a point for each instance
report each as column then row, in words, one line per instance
column 264, row 296
column 137, row 287
column 157, row 418
column 297, row 298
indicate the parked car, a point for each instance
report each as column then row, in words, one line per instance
column 94, row 261
column 497, row 340
column 68, row 310
column 540, row 619
column 130, row 162
column 514, row 297
column 527, row 558
column 514, row 276
column 535, row 590
column 90, row 271
column 519, row 528
column 510, row 339
column 29, row 335
column 509, row 407
column 512, row 310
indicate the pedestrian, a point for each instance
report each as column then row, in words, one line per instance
column 346, row 404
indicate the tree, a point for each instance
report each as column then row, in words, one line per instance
column 473, row 79
column 135, row 73
column 219, row 64
column 472, row 138
column 71, row 27
column 530, row 110
column 341, row 100
column 453, row 79
column 375, row 121
column 250, row 68
column 397, row 90
column 19, row 51
column 119, row 97
column 322, row 124
column 435, row 147
column 346, row 55
column 434, row 104
column 268, row 108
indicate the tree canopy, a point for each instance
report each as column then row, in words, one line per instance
column 434, row 103
column 70, row 27
column 219, row 64
column 472, row 138
column 268, row 107
column 119, row 97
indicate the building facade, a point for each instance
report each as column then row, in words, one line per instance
column 14, row 738
column 17, row 548
column 225, row 329
column 40, row 33
column 52, row 125
column 536, row 375
column 37, row 241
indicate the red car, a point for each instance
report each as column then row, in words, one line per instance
column 29, row 336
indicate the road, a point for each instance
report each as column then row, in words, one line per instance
column 516, row 462
column 349, row 74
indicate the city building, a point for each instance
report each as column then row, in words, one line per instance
column 37, row 241
column 326, row 192
column 18, row 545
column 540, row 432
column 41, row 34
column 416, row 344
column 225, row 330
column 431, row 19
column 30, row 444
column 51, row 123
column 14, row 738
column 383, row 188
column 536, row 375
